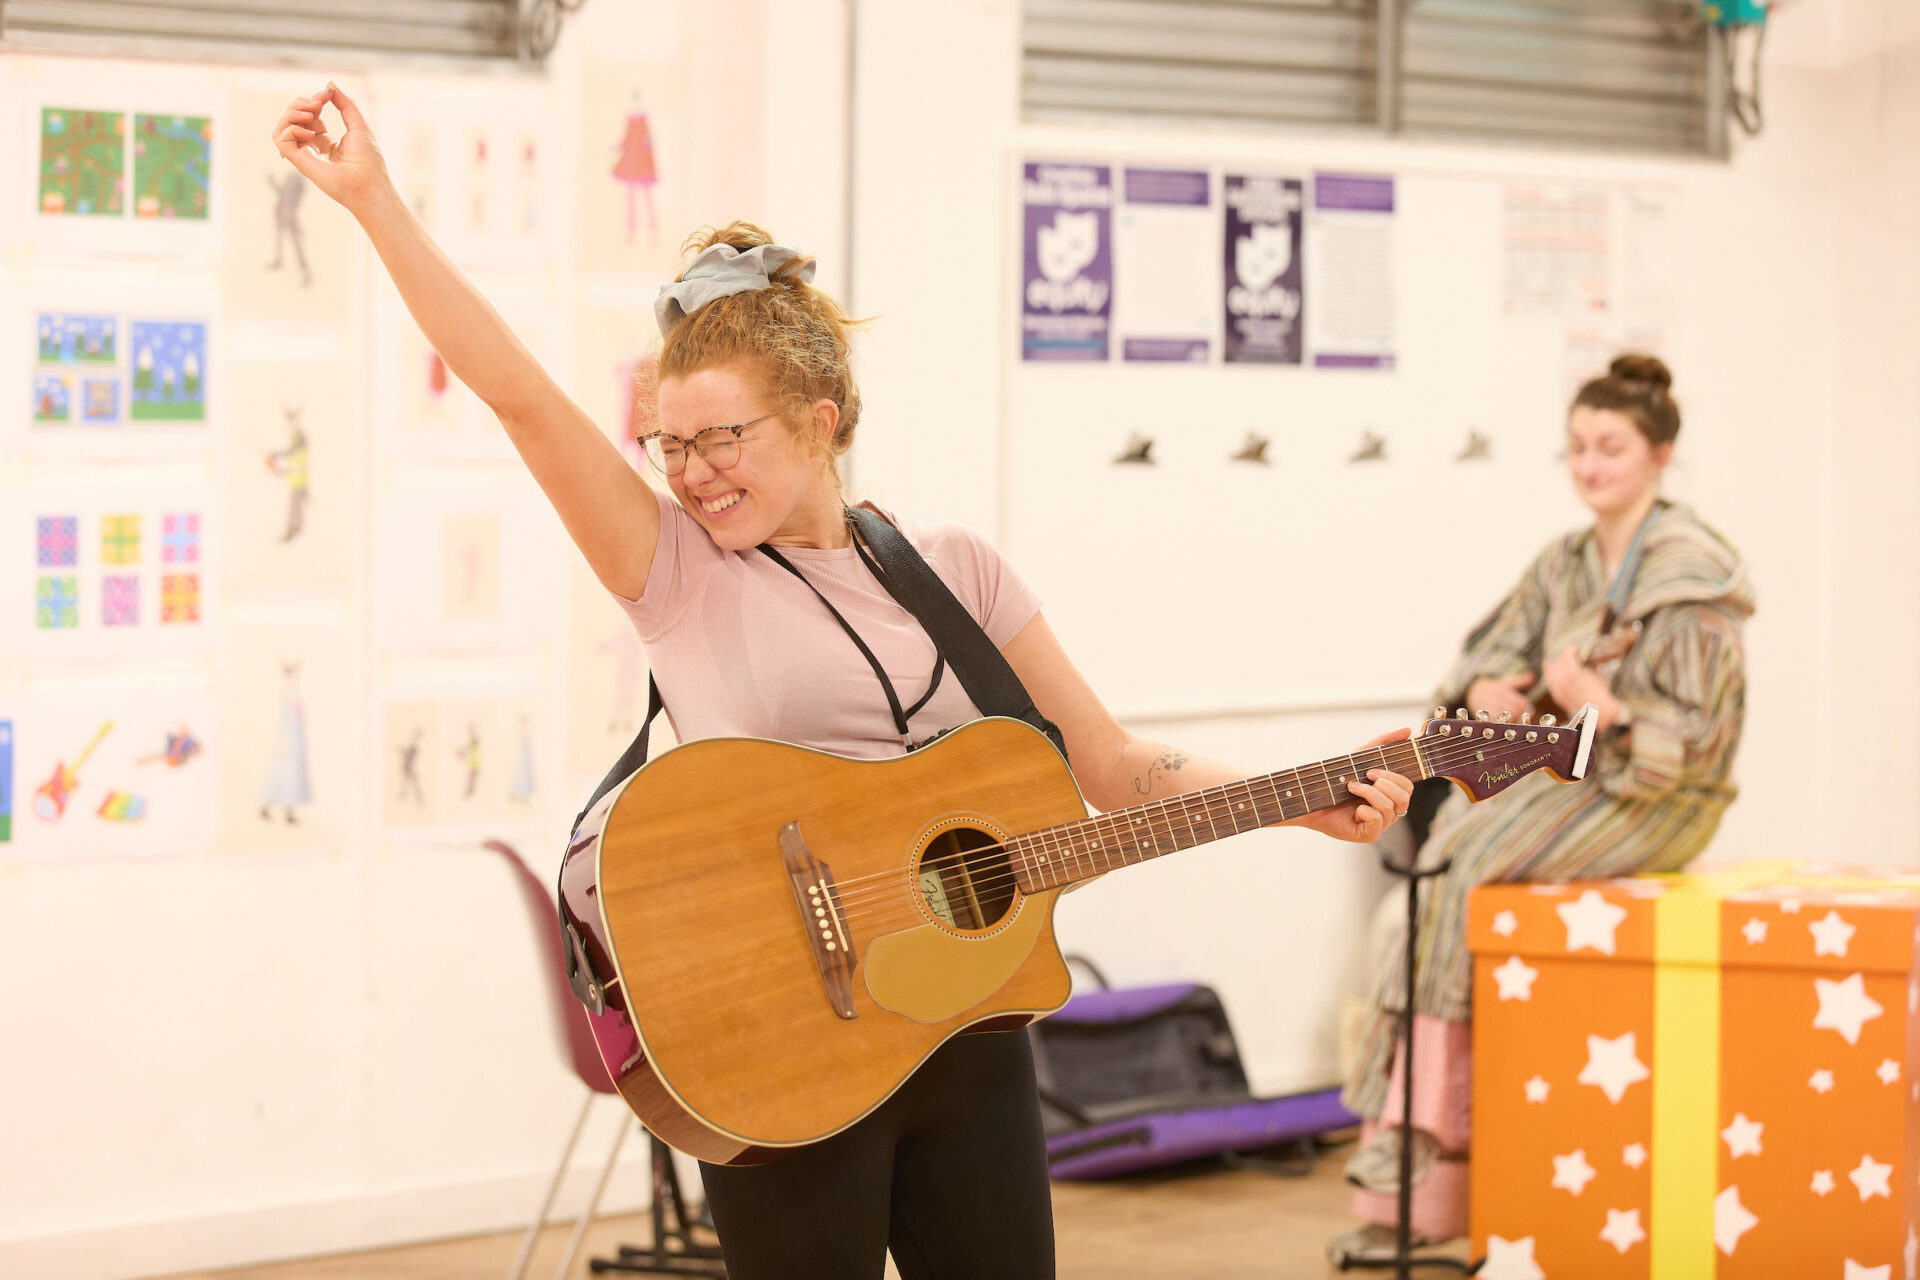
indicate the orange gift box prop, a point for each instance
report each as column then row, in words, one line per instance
column 1697, row 1076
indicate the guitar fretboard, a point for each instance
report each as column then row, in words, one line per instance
column 1055, row 856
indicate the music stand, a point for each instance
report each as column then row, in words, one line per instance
column 1404, row 1260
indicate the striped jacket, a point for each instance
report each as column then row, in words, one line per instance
column 1655, row 793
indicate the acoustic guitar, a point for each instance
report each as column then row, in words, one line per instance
column 769, row 939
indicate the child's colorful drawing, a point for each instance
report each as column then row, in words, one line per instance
column 68, row 339
column 83, row 162
column 180, row 597
column 57, row 541
column 172, row 160
column 6, row 781
column 52, row 398
column 120, row 539
column 169, row 371
column 56, row 602
column 180, row 537
column 123, row 806
column 120, row 600
column 100, row 400
column 181, row 747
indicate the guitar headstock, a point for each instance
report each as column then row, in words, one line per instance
column 1484, row 755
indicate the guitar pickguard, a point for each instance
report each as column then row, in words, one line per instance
column 930, row 975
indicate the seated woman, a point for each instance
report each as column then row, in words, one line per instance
column 1640, row 614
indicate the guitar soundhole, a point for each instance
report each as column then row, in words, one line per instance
column 966, row 879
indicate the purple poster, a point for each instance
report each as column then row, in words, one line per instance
column 1066, row 289
column 1263, row 294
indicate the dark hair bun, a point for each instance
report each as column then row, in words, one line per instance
column 1634, row 367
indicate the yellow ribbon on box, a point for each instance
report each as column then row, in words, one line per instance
column 1686, row 1054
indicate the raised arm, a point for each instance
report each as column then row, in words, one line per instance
column 604, row 504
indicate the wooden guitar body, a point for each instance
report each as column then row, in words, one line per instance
column 745, row 1010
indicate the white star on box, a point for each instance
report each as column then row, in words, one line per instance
column 1504, row 923
column 1821, row 1081
column 1572, row 1173
column 1870, row 1177
column 1845, row 1006
column 1516, row 979
column 1857, row 1272
column 1623, row 1229
column 1911, row 1254
column 1888, row 1071
column 1612, row 1066
column 1590, row 921
column 1510, row 1260
column 1742, row 1136
column 1822, row 1181
column 1831, row 935
column 1634, row 1155
column 1754, row 930
column 1537, row 1089
column 1731, row 1220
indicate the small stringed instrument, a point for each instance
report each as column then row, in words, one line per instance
column 50, row 801
column 1604, row 655
column 769, row 939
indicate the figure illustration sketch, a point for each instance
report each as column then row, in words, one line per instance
column 520, row 790
column 468, row 754
column 634, row 169
column 410, row 769
column 291, row 462
column 286, row 224
column 287, row 786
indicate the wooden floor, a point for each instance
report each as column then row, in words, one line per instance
column 1219, row 1224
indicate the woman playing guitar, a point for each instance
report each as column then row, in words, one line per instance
column 1639, row 613
column 726, row 579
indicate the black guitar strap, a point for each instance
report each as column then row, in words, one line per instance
column 913, row 584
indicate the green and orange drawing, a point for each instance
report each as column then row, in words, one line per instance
column 172, row 160
column 83, row 162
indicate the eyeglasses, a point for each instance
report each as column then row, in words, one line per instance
column 719, row 447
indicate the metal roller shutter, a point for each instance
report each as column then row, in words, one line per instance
column 1631, row 74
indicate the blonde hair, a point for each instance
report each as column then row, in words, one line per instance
column 797, row 339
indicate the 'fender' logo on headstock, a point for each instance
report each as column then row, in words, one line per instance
column 1494, row 777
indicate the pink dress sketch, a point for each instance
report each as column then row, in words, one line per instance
column 635, row 171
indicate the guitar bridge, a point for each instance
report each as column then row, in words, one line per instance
column 820, row 915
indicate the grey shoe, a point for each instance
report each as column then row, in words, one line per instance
column 1370, row 1243
column 1376, row 1166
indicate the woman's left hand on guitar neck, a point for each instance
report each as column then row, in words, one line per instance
column 1378, row 803
column 1572, row 684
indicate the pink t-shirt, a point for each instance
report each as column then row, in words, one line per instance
column 741, row 648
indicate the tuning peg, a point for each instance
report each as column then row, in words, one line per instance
column 1548, row 719
column 1526, row 717
column 1481, row 715
column 1439, row 713
column 1505, row 716
column 1460, row 713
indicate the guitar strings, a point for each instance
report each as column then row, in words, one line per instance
column 861, row 893
column 1453, row 753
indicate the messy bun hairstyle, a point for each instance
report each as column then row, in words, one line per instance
column 1639, row 386
column 796, row 337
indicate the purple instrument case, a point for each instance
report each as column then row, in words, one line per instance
column 1146, row 1076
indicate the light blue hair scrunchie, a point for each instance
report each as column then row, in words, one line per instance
column 720, row 271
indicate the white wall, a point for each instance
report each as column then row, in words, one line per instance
column 1795, row 300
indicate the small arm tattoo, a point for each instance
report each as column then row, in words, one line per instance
column 1169, row 761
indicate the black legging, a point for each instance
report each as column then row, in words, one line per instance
column 950, row 1174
